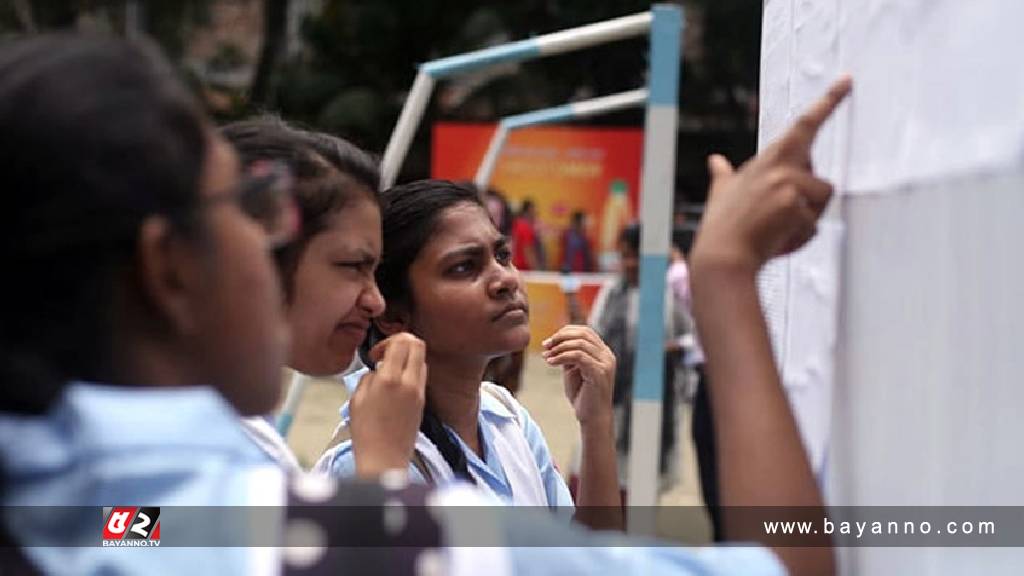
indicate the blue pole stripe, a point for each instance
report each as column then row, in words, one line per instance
column 455, row 65
column 666, row 33
column 649, row 371
column 284, row 423
column 545, row 116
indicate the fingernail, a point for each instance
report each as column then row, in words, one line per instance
column 546, row 343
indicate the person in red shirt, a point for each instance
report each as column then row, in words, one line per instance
column 526, row 254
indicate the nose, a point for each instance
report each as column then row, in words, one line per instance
column 371, row 300
column 504, row 282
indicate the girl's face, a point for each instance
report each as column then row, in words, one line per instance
column 467, row 297
column 240, row 333
column 334, row 294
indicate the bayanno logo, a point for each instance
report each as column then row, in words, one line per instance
column 131, row 526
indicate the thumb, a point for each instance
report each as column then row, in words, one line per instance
column 720, row 167
column 365, row 382
column 379, row 349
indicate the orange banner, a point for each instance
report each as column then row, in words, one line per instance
column 562, row 169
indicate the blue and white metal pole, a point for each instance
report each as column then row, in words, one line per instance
column 656, row 196
column 571, row 111
column 405, row 129
column 546, row 45
column 296, row 388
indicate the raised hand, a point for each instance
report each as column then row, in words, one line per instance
column 588, row 372
column 771, row 205
column 767, row 208
column 387, row 406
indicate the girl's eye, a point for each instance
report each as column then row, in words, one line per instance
column 356, row 266
column 463, row 267
column 503, row 255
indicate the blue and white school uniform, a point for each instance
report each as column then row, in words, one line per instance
column 118, row 446
column 517, row 466
column 104, row 445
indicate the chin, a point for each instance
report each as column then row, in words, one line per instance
column 330, row 365
column 518, row 341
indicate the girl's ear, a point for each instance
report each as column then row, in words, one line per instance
column 394, row 320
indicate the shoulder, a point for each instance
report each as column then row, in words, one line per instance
column 497, row 399
column 521, row 226
column 493, row 394
column 264, row 435
column 338, row 461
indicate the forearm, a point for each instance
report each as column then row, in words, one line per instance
column 761, row 458
column 373, row 461
column 599, row 501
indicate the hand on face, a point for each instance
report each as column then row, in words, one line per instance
column 387, row 406
column 588, row 372
column 771, row 205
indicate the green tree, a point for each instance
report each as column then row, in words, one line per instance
column 362, row 56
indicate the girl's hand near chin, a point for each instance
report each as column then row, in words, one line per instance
column 387, row 406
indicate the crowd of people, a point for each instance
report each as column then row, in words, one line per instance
column 166, row 270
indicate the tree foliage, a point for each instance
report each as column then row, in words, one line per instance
column 360, row 57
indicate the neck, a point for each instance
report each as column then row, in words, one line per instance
column 453, row 393
column 145, row 358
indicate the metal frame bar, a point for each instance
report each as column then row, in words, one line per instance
column 571, row 111
column 547, row 45
column 664, row 23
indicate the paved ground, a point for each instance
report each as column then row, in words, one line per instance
column 543, row 397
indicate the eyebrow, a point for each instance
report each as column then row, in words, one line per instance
column 360, row 254
column 474, row 250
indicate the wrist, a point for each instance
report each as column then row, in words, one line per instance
column 714, row 266
column 598, row 426
column 373, row 465
column 376, row 472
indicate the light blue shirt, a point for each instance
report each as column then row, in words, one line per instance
column 340, row 460
column 111, row 446
column 118, row 446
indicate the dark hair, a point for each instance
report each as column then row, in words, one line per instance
column 578, row 217
column 504, row 225
column 409, row 216
column 630, row 236
column 682, row 237
column 525, row 207
column 329, row 172
column 96, row 134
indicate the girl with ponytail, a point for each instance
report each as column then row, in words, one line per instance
column 447, row 277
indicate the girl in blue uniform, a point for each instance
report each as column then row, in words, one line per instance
column 331, row 296
column 447, row 276
column 144, row 318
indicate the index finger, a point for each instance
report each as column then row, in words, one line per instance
column 391, row 347
column 571, row 331
column 802, row 134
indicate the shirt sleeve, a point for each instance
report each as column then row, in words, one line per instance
column 624, row 557
column 537, row 544
column 340, row 462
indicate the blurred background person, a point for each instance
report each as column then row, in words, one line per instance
column 577, row 252
column 527, row 249
column 615, row 316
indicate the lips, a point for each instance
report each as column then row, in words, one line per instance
column 511, row 309
column 354, row 327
